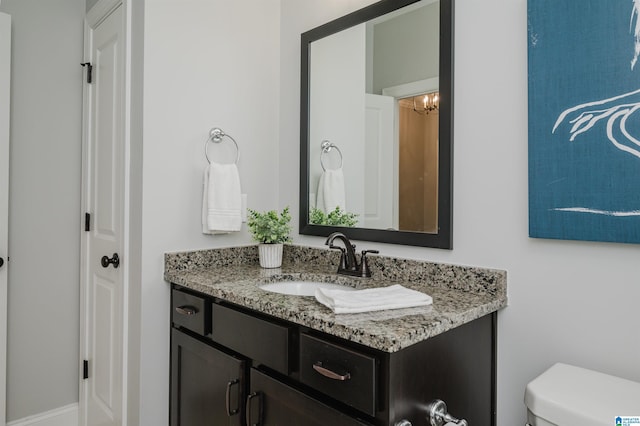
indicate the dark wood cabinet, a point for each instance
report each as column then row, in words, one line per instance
column 207, row 385
column 233, row 366
column 457, row 367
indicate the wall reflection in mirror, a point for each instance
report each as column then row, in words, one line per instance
column 373, row 95
column 372, row 138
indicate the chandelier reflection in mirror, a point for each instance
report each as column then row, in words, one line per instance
column 424, row 104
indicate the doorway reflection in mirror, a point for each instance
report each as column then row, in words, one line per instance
column 418, row 158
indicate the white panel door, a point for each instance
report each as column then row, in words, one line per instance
column 102, row 287
column 379, row 178
column 5, row 84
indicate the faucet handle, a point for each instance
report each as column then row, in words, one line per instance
column 364, row 265
column 343, row 256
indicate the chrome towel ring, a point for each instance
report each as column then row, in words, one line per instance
column 326, row 147
column 216, row 135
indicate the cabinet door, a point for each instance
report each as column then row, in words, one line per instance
column 207, row 385
column 272, row 403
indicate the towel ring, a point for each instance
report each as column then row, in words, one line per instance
column 326, row 147
column 215, row 135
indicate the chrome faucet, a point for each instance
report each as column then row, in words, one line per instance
column 348, row 261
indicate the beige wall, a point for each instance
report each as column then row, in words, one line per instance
column 418, row 171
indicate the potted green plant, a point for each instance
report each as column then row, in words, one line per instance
column 271, row 230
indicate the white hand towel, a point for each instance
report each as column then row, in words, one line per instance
column 371, row 299
column 222, row 197
column 331, row 186
column 205, row 204
column 205, row 207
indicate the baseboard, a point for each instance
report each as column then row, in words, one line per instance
column 63, row 416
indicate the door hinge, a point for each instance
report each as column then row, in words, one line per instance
column 85, row 369
column 87, row 222
column 89, row 70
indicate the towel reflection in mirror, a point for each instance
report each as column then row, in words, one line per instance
column 330, row 204
column 331, row 189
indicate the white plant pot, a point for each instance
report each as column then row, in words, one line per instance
column 270, row 255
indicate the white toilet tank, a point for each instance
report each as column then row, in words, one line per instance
column 565, row 395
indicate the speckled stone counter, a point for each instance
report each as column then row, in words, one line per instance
column 460, row 293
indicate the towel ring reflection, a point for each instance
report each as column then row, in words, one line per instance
column 326, row 147
column 215, row 135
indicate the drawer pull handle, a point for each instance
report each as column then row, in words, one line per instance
column 187, row 310
column 248, row 409
column 330, row 374
column 231, row 412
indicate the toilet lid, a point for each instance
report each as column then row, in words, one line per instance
column 568, row 395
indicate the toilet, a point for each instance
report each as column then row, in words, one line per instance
column 565, row 395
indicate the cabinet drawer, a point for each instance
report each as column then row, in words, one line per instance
column 272, row 403
column 341, row 373
column 190, row 312
column 261, row 340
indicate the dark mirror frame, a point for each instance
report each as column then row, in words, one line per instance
column 443, row 239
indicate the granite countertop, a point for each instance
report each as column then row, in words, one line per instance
column 460, row 294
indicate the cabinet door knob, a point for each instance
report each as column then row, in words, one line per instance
column 1, row 262
column 115, row 261
column 326, row 372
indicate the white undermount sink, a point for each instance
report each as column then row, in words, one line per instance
column 301, row 288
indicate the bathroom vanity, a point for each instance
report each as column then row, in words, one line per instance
column 242, row 355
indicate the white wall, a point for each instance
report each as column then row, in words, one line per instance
column 207, row 63
column 338, row 112
column 5, row 114
column 297, row 17
column 44, row 205
column 134, row 127
column 569, row 301
column 411, row 39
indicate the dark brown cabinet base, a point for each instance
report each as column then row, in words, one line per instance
column 457, row 367
column 257, row 370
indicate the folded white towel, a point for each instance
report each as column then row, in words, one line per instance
column 222, row 199
column 331, row 191
column 371, row 299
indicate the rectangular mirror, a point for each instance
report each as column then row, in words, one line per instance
column 376, row 124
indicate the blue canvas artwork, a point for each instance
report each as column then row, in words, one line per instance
column 584, row 119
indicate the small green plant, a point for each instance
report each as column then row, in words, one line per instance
column 270, row 227
column 337, row 217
